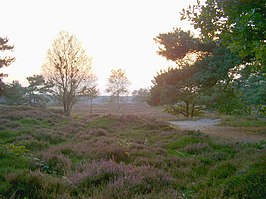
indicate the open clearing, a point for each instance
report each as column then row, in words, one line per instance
column 214, row 128
column 200, row 124
column 210, row 126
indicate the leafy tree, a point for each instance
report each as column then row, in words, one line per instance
column 177, row 44
column 5, row 61
column 226, row 99
column 238, row 25
column 141, row 95
column 15, row 94
column 36, row 90
column 90, row 90
column 172, row 88
column 200, row 66
column 219, row 58
column 117, row 84
column 67, row 68
column 254, row 92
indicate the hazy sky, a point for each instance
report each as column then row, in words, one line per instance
column 116, row 33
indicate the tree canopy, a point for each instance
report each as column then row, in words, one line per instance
column 117, row 84
column 238, row 25
column 67, row 68
column 229, row 53
column 90, row 89
column 36, row 90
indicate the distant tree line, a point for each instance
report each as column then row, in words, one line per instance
column 66, row 76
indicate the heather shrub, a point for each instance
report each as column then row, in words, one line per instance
column 29, row 184
column 98, row 132
column 117, row 178
column 7, row 124
column 52, row 163
column 103, row 147
column 34, row 145
column 110, row 151
column 197, row 148
column 47, row 136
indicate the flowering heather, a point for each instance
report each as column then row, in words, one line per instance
column 114, row 176
column 121, row 156
column 197, row 148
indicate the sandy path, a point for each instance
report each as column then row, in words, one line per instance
column 212, row 127
column 200, row 124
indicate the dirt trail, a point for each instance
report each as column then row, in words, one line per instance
column 200, row 124
column 212, row 127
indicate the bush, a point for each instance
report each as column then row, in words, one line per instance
column 28, row 184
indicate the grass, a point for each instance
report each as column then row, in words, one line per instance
column 46, row 155
column 242, row 121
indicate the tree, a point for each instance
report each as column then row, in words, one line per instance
column 15, row 94
column 238, row 25
column 208, row 64
column 254, row 92
column 117, row 84
column 5, row 61
column 36, row 90
column 141, row 95
column 90, row 90
column 231, row 48
column 171, row 87
column 67, row 68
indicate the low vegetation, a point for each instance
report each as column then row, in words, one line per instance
column 44, row 154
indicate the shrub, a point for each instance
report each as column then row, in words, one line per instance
column 115, row 178
column 55, row 164
column 28, row 184
column 98, row 132
column 197, row 148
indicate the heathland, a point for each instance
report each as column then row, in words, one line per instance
column 133, row 153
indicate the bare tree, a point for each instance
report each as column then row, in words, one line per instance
column 67, row 68
column 117, row 84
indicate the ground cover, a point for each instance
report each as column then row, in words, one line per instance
column 44, row 154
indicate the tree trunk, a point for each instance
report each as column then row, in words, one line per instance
column 30, row 104
column 192, row 110
column 91, row 106
column 249, row 109
column 118, row 103
column 187, row 109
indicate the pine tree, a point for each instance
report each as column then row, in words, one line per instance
column 4, row 61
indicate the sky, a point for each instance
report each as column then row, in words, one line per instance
column 115, row 33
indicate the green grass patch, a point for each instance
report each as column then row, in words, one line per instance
column 8, row 135
column 182, row 142
column 10, row 164
column 102, row 122
column 243, row 121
